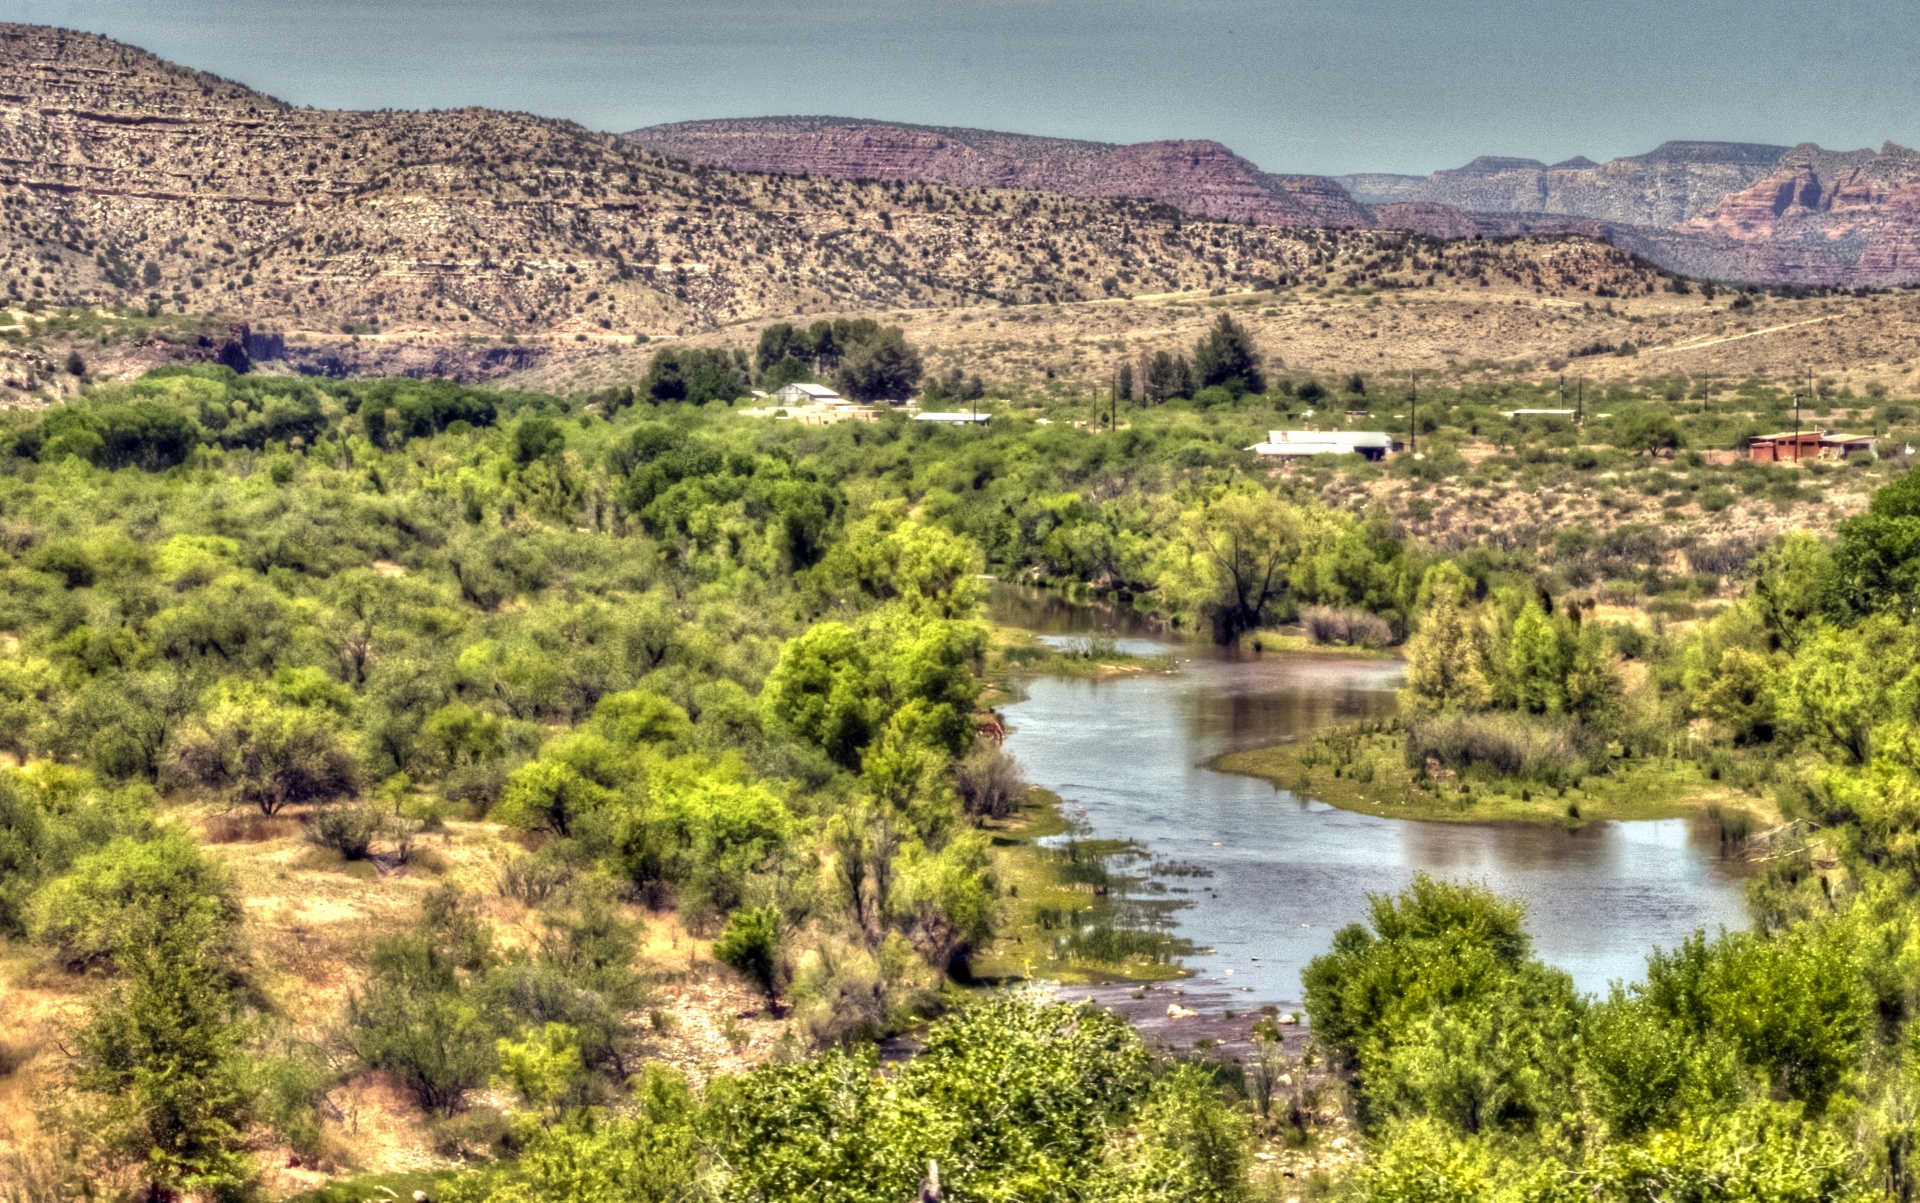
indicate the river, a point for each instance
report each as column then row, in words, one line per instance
column 1130, row 753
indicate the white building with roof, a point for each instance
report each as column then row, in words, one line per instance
column 807, row 394
column 1293, row 444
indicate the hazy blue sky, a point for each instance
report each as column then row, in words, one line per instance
column 1374, row 85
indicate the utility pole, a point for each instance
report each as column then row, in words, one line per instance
column 1113, row 402
column 1580, row 402
column 1413, row 413
column 1796, row 422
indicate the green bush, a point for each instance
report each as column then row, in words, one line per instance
column 349, row 829
column 164, row 882
column 750, row 946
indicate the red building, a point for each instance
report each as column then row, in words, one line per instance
column 1807, row 444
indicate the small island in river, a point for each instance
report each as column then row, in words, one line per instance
column 1365, row 769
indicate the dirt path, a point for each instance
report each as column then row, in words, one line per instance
column 1734, row 338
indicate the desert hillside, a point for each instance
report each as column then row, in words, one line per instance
column 1735, row 211
column 130, row 180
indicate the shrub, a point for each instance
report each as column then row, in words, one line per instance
column 1351, row 628
column 750, row 946
column 988, row 782
column 349, row 830
column 416, row 1021
column 165, row 882
column 1728, row 557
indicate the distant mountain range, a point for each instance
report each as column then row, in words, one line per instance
column 1723, row 210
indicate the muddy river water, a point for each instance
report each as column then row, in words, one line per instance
column 1286, row 872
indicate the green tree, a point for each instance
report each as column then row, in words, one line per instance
column 1797, row 581
column 1446, row 657
column 1230, row 563
column 1226, row 358
column 822, row 689
column 697, row 375
column 1839, row 686
column 1877, row 564
column 537, row 437
column 1535, row 667
column 882, row 367
column 269, row 754
column 164, row 882
column 1441, row 1012
column 783, row 356
column 161, row 1048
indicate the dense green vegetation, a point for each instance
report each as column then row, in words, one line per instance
column 731, row 669
column 703, row 662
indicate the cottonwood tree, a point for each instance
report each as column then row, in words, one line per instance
column 1230, row 561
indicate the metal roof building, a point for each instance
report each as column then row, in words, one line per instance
column 1291, row 444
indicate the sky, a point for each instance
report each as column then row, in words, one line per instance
column 1328, row 88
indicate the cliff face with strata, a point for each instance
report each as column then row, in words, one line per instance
column 1198, row 177
column 1725, row 210
column 1661, row 188
column 1819, row 217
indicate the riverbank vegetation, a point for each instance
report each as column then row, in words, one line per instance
column 1078, row 909
column 575, row 789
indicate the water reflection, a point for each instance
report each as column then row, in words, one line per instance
column 1287, row 872
column 1046, row 613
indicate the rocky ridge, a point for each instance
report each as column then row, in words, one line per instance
column 1745, row 212
column 1203, row 178
column 128, row 180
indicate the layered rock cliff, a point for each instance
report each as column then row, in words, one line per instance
column 1661, row 188
column 1199, row 177
column 1818, row 217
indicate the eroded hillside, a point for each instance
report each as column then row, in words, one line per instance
column 130, row 180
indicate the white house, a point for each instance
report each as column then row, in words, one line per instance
column 808, row 394
column 1291, row 444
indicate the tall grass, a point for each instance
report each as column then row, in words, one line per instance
column 1550, row 752
column 1111, row 945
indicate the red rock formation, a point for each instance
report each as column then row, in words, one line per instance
column 1723, row 210
column 1203, row 178
column 1820, row 217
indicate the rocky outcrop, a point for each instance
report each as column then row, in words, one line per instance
column 1199, row 177
column 1663, row 187
column 1819, row 217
